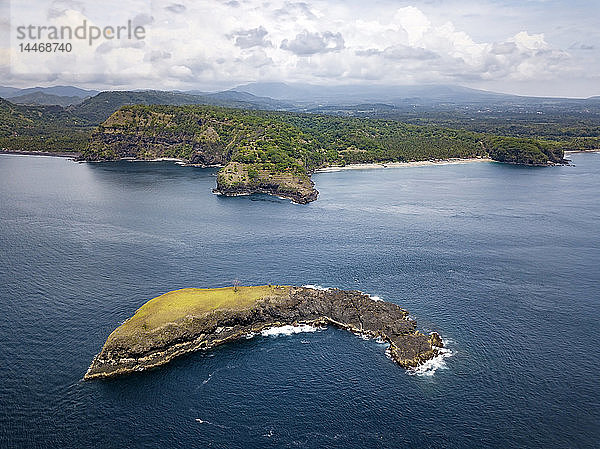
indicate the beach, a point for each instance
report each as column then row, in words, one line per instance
column 332, row 168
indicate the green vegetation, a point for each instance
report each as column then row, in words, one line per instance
column 41, row 128
column 523, row 151
column 385, row 133
column 58, row 129
column 296, row 143
column 568, row 125
column 275, row 152
column 180, row 304
column 238, row 178
column 336, row 134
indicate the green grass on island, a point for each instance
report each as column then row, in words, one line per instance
column 178, row 304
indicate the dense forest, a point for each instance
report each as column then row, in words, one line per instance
column 302, row 142
column 297, row 142
column 362, row 133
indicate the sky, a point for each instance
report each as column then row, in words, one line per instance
column 526, row 47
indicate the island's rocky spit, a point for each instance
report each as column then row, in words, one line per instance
column 163, row 329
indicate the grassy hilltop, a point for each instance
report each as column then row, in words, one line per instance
column 176, row 305
column 188, row 320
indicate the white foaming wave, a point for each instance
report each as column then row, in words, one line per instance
column 289, row 330
column 316, row 287
column 202, row 421
column 373, row 297
column 429, row 367
column 320, row 287
column 363, row 336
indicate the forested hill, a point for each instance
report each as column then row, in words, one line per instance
column 67, row 129
column 275, row 152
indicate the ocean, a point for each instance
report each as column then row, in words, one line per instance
column 503, row 261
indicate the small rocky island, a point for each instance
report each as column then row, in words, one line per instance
column 187, row 320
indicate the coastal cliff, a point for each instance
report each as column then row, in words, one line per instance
column 188, row 320
column 245, row 179
column 258, row 154
column 276, row 152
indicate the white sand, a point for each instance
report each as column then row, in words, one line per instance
column 402, row 164
column 582, row 151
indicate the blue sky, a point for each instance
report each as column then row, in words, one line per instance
column 530, row 47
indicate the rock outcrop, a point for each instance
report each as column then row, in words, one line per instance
column 237, row 179
column 351, row 310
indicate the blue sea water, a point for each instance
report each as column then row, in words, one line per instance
column 502, row 261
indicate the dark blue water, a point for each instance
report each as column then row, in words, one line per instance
column 503, row 261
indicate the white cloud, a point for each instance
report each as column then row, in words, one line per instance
column 307, row 43
column 223, row 42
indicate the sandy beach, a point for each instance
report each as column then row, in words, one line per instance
column 402, row 164
column 582, row 151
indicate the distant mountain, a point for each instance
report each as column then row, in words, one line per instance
column 280, row 91
column 41, row 98
column 61, row 91
column 98, row 108
column 350, row 94
column 256, row 101
column 422, row 95
column 7, row 92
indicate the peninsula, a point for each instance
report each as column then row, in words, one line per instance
column 274, row 149
column 276, row 152
column 191, row 319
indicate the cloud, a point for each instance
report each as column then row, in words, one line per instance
column 254, row 37
column 581, row 46
column 295, row 10
column 400, row 51
column 60, row 7
column 156, row 55
column 142, row 19
column 176, row 8
column 306, row 43
column 503, row 48
column 213, row 42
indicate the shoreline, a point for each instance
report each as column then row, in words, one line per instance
column 134, row 347
column 581, row 151
column 380, row 165
column 73, row 155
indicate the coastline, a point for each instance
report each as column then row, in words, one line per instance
column 188, row 320
column 334, row 168
column 582, row 151
column 73, row 155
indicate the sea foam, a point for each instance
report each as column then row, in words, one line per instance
column 316, row 287
column 320, row 287
column 432, row 365
column 289, row 330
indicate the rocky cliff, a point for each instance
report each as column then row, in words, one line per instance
column 244, row 179
column 145, row 347
column 207, row 136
